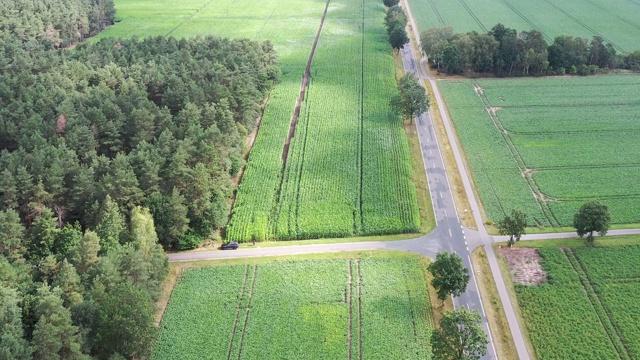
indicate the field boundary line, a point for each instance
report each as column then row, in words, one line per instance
column 235, row 323
column 581, row 23
column 605, row 320
column 248, row 312
column 473, row 15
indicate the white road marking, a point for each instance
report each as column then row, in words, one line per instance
column 450, row 234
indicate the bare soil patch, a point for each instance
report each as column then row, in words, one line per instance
column 524, row 265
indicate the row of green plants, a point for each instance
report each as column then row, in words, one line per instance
column 347, row 170
column 299, row 309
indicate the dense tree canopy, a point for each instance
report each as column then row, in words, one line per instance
column 450, row 277
column 593, row 216
column 460, row 336
column 160, row 122
column 506, row 52
column 57, row 22
column 108, row 152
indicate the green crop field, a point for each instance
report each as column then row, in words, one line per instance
column 589, row 307
column 616, row 21
column 547, row 145
column 348, row 170
column 374, row 308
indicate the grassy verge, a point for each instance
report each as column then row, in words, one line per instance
column 419, row 178
column 506, row 275
column 600, row 241
column 498, row 324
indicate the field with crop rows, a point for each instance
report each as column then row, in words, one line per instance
column 375, row 308
column 589, row 307
column 616, row 21
column 348, row 169
column 547, row 145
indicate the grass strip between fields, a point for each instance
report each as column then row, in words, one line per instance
column 508, row 282
column 496, row 317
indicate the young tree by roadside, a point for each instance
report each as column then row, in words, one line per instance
column 514, row 226
column 459, row 337
column 412, row 99
column 449, row 275
column 390, row 3
column 592, row 216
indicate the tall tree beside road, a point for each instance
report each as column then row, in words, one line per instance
column 412, row 99
column 390, row 3
column 450, row 277
column 396, row 21
column 513, row 225
column 460, row 336
column 592, row 216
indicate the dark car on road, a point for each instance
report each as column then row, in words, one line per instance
column 231, row 245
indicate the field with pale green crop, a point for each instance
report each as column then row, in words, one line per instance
column 589, row 307
column 616, row 21
column 373, row 308
column 348, row 170
column 547, row 145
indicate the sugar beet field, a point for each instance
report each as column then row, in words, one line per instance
column 589, row 308
column 547, row 145
column 616, row 21
column 375, row 308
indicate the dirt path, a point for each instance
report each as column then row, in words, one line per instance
column 303, row 88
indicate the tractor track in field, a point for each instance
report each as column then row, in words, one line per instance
column 473, row 15
column 602, row 8
column 596, row 302
column 537, row 193
column 435, row 11
column 190, row 17
column 359, row 309
column 581, row 23
column 361, row 147
column 248, row 312
column 235, row 322
column 526, row 19
column 350, row 306
column 303, row 86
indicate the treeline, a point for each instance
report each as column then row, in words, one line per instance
column 63, row 295
column 505, row 52
column 107, row 152
column 395, row 22
column 60, row 23
column 159, row 123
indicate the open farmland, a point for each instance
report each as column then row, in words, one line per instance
column 347, row 169
column 547, row 145
column 616, row 21
column 589, row 307
column 372, row 308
